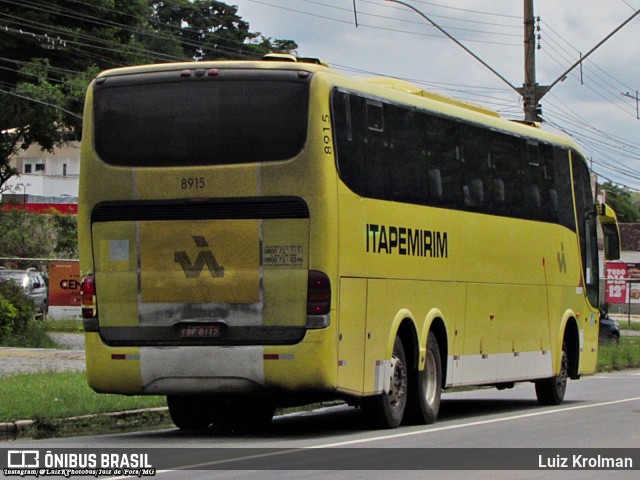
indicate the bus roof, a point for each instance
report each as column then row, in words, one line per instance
column 385, row 87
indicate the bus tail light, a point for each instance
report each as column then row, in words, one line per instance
column 88, row 295
column 318, row 293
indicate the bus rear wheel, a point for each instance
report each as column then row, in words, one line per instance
column 239, row 413
column 387, row 409
column 424, row 404
column 550, row 391
column 189, row 412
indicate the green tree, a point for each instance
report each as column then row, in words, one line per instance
column 37, row 122
column 65, row 228
column 33, row 235
column 212, row 30
column 51, row 49
column 620, row 199
column 26, row 235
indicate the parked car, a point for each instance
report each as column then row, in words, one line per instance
column 34, row 287
column 609, row 330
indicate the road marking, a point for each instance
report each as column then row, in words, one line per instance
column 475, row 424
column 393, row 436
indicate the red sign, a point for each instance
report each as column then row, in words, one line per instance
column 616, row 286
column 620, row 284
column 64, row 284
column 70, row 208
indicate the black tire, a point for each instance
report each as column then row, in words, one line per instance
column 424, row 399
column 550, row 391
column 614, row 338
column 190, row 412
column 387, row 409
column 235, row 414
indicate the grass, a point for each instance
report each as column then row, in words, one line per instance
column 64, row 326
column 35, row 336
column 624, row 325
column 626, row 354
column 50, row 395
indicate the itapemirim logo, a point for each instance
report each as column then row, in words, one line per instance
column 204, row 258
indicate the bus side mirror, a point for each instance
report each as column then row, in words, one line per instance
column 611, row 242
column 610, row 231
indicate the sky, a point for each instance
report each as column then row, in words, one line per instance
column 391, row 40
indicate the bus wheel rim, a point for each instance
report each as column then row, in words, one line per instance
column 430, row 390
column 398, row 382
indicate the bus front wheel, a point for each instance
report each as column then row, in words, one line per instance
column 387, row 409
column 550, row 391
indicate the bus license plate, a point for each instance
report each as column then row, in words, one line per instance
column 200, row 331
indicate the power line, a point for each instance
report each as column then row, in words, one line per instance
column 375, row 27
column 468, row 10
column 46, row 104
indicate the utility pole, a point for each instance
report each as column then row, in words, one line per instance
column 531, row 92
column 637, row 99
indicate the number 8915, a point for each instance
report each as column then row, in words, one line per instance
column 192, row 183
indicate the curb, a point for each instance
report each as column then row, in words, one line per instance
column 123, row 414
column 13, row 430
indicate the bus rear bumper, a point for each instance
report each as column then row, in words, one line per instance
column 212, row 369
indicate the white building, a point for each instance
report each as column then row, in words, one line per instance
column 45, row 176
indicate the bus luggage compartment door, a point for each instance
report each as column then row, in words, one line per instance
column 213, row 278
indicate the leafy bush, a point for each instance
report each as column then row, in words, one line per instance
column 34, row 235
column 16, row 310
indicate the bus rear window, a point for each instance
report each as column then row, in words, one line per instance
column 164, row 121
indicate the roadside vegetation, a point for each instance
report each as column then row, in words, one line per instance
column 49, row 396
column 63, row 325
column 626, row 354
column 624, row 324
column 18, row 327
column 35, row 335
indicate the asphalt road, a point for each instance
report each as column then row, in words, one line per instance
column 600, row 412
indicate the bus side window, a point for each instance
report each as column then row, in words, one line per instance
column 376, row 152
column 435, row 184
column 586, row 215
column 350, row 133
column 375, row 116
column 476, row 167
column 442, row 154
column 536, row 190
column 562, row 177
column 408, row 165
column 548, row 195
column 498, row 193
column 505, row 153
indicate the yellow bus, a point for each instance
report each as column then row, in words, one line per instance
column 269, row 233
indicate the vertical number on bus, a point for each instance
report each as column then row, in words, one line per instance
column 326, row 131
